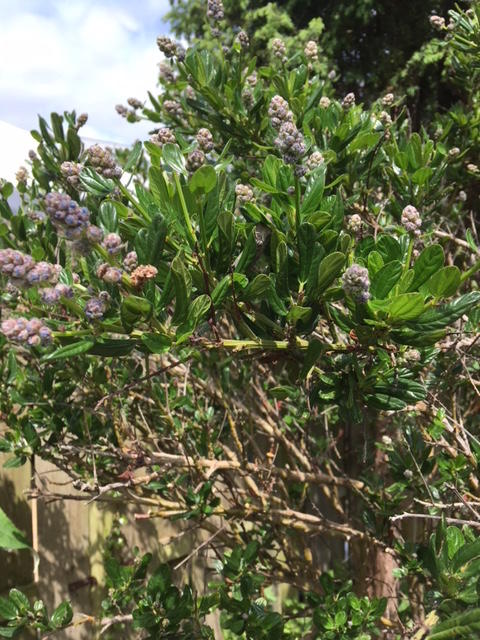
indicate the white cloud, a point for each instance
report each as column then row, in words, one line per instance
column 66, row 54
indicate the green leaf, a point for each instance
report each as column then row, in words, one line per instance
column 107, row 217
column 429, row 262
column 96, row 184
column 203, row 180
column 182, row 283
column 328, row 270
column 74, row 349
column 406, row 306
column 314, row 191
column 8, row 611
column 258, row 288
column 62, row 616
column 385, row 279
column 306, row 246
column 444, row 282
column 133, row 156
column 20, row 600
column 156, row 342
column 389, row 248
column 109, row 347
column 10, row 632
column 173, row 158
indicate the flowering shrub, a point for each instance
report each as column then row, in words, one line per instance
column 273, row 308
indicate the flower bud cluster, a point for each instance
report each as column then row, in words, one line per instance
column 385, row 118
column 215, row 10
column 315, row 160
column 243, row 39
column 453, row 152
column 279, row 49
column 33, row 332
column 311, row 51
column 388, row 99
column 82, row 120
column 96, row 307
column 52, row 295
column 15, row 265
column 173, row 108
column 244, row 194
column 437, row 22
column 21, row 175
column 290, row 143
column 355, row 224
column 195, row 160
column 71, row 171
column 42, row 272
column 205, row 140
column 252, row 79
column 165, row 72
column 103, row 162
column 348, row 101
column 411, row 220
column 112, row 242
column 324, row 102
column 167, row 46
column 279, row 112
column 66, row 215
column 109, row 274
column 355, row 283
column 130, row 261
column 135, row 103
column 163, row 136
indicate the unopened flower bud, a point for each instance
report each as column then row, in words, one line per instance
column 95, row 308
column 142, row 274
column 315, row 160
column 135, row 103
column 173, row 108
column 21, row 175
column 195, row 160
column 163, row 136
column 279, row 49
column 166, row 72
column 324, row 102
column 112, row 242
column 244, row 194
column 348, row 101
column 311, row 51
column 355, row 283
column 103, row 162
column 215, row 10
column 167, row 46
column 388, row 99
column 71, row 171
column 279, row 112
column 354, row 223
column 290, row 143
column 453, row 152
column 411, row 220
column 437, row 22
column 243, row 39
column 82, row 120
column 130, row 261
column 205, row 140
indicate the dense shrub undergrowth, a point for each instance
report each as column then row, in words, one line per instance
column 263, row 321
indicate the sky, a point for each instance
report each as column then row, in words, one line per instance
column 87, row 55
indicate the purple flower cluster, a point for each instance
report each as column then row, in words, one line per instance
column 279, row 112
column 52, row 295
column 95, row 308
column 32, row 332
column 355, row 283
column 112, row 242
column 23, row 271
column 103, row 162
column 130, row 261
column 66, row 215
column 290, row 143
column 71, row 171
column 279, row 49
